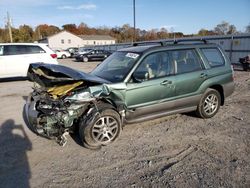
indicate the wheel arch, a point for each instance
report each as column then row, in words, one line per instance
column 118, row 108
column 219, row 88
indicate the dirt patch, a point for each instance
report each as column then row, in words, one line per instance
column 176, row 151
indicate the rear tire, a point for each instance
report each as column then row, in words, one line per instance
column 209, row 104
column 63, row 56
column 101, row 127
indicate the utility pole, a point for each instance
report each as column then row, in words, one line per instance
column 39, row 33
column 134, row 38
column 9, row 26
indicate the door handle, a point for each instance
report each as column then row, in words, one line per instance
column 166, row 82
column 203, row 75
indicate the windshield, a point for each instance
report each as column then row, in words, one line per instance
column 116, row 67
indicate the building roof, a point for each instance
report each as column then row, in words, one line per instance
column 45, row 38
column 83, row 37
column 96, row 37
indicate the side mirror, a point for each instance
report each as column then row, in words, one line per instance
column 140, row 76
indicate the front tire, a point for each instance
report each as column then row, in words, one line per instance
column 85, row 59
column 63, row 56
column 100, row 128
column 209, row 104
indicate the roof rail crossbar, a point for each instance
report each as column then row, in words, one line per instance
column 148, row 42
column 176, row 41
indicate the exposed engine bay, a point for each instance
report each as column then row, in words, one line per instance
column 60, row 98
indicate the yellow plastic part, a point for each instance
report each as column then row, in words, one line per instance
column 58, row 91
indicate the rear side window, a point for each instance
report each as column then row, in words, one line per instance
column 166, row 63
column 213, row 56
column 186, row 61
column 34, row 50
column 22, row 49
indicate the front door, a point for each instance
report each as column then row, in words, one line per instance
column 152, row 86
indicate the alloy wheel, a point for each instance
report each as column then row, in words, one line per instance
column 211, row 104
column 105, row 129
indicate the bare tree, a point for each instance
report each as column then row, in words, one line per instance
column 248, row 28
column 224, row 28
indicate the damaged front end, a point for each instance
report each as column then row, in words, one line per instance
column 60, row 97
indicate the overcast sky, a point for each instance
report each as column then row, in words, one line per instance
column 187, row 16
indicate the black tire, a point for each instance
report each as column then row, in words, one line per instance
column 63, row 56
column 101, row 127
column 209, row 104
column 85, row 59
column 31, row 128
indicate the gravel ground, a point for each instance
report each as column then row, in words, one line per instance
column 175, row 151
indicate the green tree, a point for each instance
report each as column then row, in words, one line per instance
column 205, row 32
column 25, row 33
column 4, row 35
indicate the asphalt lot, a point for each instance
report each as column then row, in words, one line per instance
column 175, row 151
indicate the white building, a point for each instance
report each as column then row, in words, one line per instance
column 65, row 39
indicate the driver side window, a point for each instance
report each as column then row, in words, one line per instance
column 154, row 66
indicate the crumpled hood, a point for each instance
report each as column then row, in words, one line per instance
column 48, row 75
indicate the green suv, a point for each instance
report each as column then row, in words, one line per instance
column 135, row 84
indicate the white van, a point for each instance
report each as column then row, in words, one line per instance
column 15, row 58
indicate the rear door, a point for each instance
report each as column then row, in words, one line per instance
column 35, row 54
column 14, row 60
column 190, row 74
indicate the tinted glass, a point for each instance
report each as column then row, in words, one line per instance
column 22, row 49
column 186, row 61
column 34, row 49
column 14, row 50
column 166, row 63
column 213, row 56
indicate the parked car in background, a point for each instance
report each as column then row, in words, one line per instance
column 62, row 54
column 15, row 58
column 93, row 55
column 132, row 85
column 245, row 61
column 83, row 50
column 72, row 51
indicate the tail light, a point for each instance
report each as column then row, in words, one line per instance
column 53, row 56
